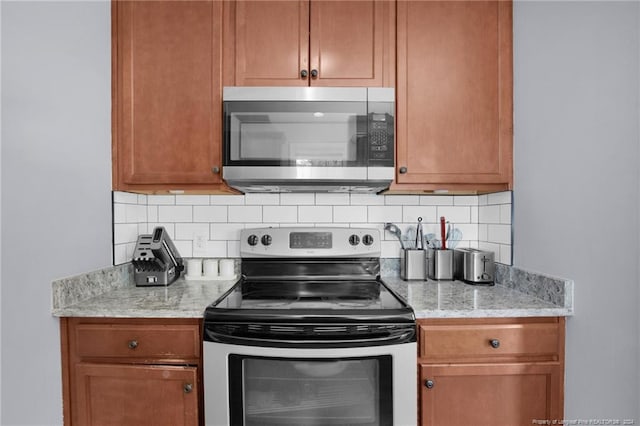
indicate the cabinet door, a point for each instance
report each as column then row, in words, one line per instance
column 454, row 94
column 352, row 43
column 123, row 395
column 268, row 43
column 499, row 394
column 166, row 93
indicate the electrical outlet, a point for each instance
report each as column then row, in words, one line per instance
column 199, row 245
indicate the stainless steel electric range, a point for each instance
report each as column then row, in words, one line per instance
column 310, row 335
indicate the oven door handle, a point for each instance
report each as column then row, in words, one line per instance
column 407, row 335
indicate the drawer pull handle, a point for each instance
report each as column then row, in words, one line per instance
column 133, row 344
column 495, row 343
column 429, row 384
column 188, row 387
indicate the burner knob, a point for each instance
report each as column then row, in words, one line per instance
column 266, row 240
column 367, row 240
column 252, row 240
column 354, row 240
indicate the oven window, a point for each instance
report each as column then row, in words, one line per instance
column 295, row 133
column 303, row 391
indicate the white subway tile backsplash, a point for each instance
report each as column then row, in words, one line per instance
column 261, row 199
column 125, row 233
column 489, row 214
column 436, row 200
column 233, row 248
column 332, row 199
column 377, row 214
column 311, row 214
column 366, row 200
column 412, row 213
column 345, row 214
column 251, row 214
column 214, row 249
column 455, row 214
column 194, row 200
column 184, row 247
column 403, row 200
column 226, row 199
column 297, row 199
column 161, row 199
column 152, row 213
column 225, row 231
column 190, row 231
column 499, row 198
column 175, row 213
column 125, row 197
column 280, row 214
column 484, row 220
column 465, row 200
column 505, row 214
column 210, row 214
column 119, row 213
column 499, row 234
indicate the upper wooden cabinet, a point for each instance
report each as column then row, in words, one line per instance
column 166, row 94
column 454, row 95
column 317, row 43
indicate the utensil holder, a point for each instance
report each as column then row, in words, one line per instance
column 412, row 264
column 440, row 264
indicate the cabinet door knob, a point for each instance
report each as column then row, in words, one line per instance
column 314, row 73
column 304, row 73
column 132, row 344
column 495, row 343
column 215, row 170
column 403, row 170
column 429, row 384
column 188, row 387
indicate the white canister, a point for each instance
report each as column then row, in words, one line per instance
column 210, row 267
column 227, row 267
column 194, row 268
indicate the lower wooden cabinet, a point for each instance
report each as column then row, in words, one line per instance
column 121, row 372
column 490, row 371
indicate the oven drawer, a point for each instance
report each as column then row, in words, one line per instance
column 137, row 341
column 485, row 339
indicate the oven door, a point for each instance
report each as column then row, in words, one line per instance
column 249, row 385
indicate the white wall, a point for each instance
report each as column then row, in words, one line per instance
column 577, row 183
column 56, row 201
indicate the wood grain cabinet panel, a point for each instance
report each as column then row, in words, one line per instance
column 454, row 95
column 166, row 94
column 120, row 395
column 311, row 42
column 489, row 395
column 490, row 371
column 131, row 372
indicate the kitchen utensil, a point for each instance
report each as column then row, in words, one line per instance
column 454, row 238
column 419, row 235
column 394, row 230
column 443, row 234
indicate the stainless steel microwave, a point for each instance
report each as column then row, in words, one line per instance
column 308, row 139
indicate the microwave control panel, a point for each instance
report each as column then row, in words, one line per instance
column 380, row 137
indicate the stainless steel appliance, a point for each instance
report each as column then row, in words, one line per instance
column 474, row 266
column 308, row 139
column 310, row 335
column 156, row 260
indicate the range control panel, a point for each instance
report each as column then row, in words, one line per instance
column 310, row 242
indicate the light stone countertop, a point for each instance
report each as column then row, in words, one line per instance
column 111, row 293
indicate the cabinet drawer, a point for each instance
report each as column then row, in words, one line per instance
column 165, row 342
column 486, row 340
